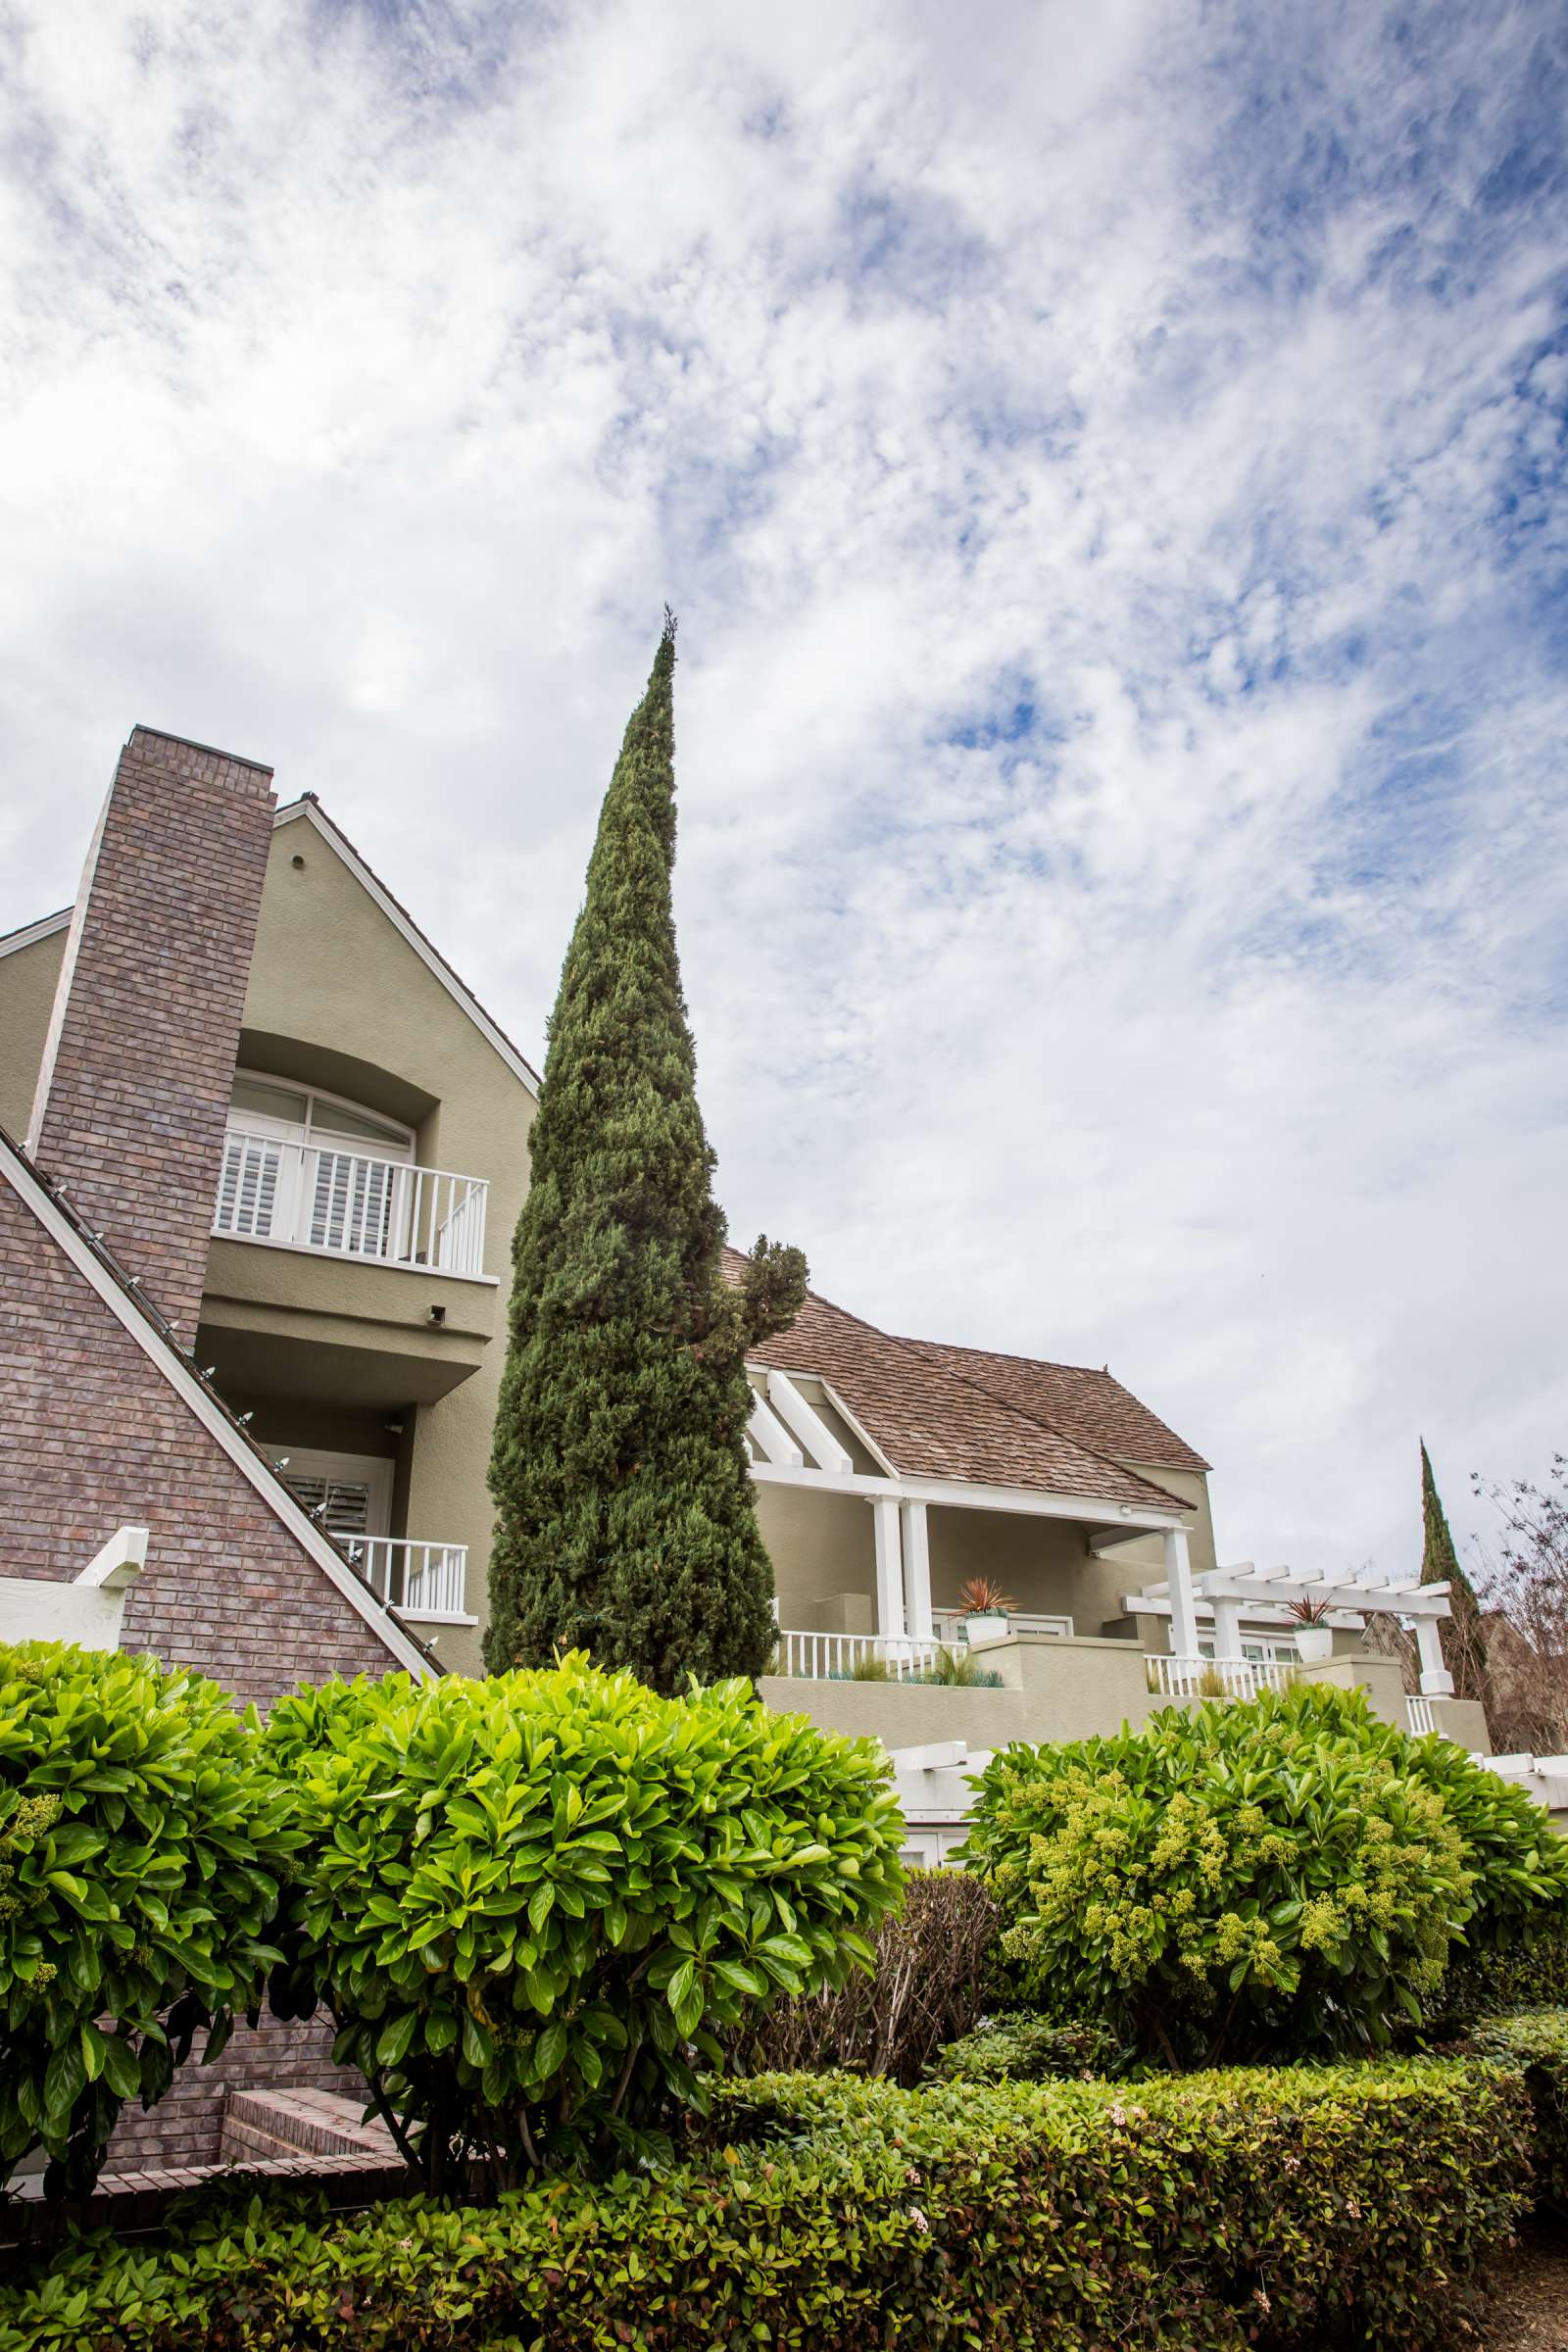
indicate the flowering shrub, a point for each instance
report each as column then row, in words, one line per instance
column 1270, row 1879
column 142, row 1842
column 532, row 1903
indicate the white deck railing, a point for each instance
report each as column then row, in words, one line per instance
column 821, row 1657
column 1195, row 1678
column 419, row 1579
column 1422, row 1720
column 349, row 1204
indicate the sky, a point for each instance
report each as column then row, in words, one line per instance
column 1108, row 469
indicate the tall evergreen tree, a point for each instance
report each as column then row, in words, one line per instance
column 1464, row 1647
column 625, row 1521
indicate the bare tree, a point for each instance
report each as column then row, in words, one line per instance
column 1523, row 1593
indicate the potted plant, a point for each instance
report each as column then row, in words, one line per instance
column 1314, row 1637
column 984, row 1609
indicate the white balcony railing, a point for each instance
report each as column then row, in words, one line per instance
column 419, row 1579
column 826, row 1657
column 1205, row 1678
column 349, row 1204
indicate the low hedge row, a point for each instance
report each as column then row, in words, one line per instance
column 1537, row 2043
column 1215, row 2212
column 1018, row 2047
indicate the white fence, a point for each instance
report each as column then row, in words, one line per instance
column 349, row 1204
column 1422, row 1720
column 1202, row 1678
column 824, row 1657
column 421, row 1580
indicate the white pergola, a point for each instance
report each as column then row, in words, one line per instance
column 1234, row 1593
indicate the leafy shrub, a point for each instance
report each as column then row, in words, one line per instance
column 1213, row 2212
column 1254, row 1880
column 928, row 1986
column 1536, row 2043
column 1516, row 1859
column 532, row 1903
column 1019, row 2048
column 142, row 1840
column 1529, row 1972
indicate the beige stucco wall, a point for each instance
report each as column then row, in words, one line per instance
column 824, row 1558
column 1052, row 1690
column 336, row 994
column 28, row 977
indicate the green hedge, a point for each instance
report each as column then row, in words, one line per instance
column 1501, row 1978
column 1018, row 2048
column 1538, row 2043
column 1269, row 2209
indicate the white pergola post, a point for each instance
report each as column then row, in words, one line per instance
column 1179, row 1585
column 1435, row 1680
column 1227, row 1629
column 916, row 1572
column 885, row 1512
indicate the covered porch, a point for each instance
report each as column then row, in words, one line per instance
column 869, row 1563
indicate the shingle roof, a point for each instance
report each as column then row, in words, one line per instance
column 930, row 1422
column 1085, row 1404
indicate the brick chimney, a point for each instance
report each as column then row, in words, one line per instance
column 139, row 1061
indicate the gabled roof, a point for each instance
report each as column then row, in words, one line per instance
column 1085, row 1404
column 122, row 1294
column 930, row 1422
column 309, row 809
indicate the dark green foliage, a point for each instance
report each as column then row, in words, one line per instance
column 142, row 1840
column 532, row 1903
column 932, row 1963
column 1217, row 2211
column 1017, row 2047
column 1499, row 1979
column 1464, row 1648
column 1537, row 2043
column 1261, row 1881
column 626, row 1523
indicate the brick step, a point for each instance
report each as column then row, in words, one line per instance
column 295, row 2120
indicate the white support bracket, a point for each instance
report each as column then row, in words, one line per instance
column 770, row 1438
column 806, row 1424
column 121, row 1561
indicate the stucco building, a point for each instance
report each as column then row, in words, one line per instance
column 292, row 1126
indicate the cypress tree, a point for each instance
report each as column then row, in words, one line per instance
column 625, row 1521
column 1464, row 1648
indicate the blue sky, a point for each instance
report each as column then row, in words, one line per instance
column 1109, row 466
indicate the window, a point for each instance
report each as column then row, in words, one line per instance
column 308, row 1167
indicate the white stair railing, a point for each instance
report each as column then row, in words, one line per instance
column 419, row 1579
column 350, row 1203
column 1421, row 1717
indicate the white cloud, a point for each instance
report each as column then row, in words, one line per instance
column 1108, row 472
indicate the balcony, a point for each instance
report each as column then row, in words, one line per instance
column 349, row 1204
column 423, row 1582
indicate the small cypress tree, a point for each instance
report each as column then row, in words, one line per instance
column 625, row 1521
column 1464, row 1647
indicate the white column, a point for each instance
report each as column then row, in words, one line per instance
column 916, row 1573
column 889, row 1565
column 1435, row 1680
column 1227, row 1629
column 1179, row 1585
